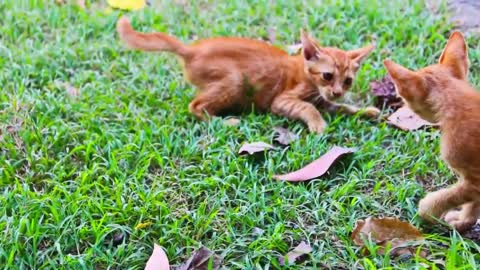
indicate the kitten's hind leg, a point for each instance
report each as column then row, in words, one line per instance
column 294, row 108
column 217, row 97
column 437, row 203
column 464, row 218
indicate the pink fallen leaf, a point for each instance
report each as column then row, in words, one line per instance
column 272, row 36
column 318, row 167
column 301, row 250
column 255, row 147
column 158, row 260
column 405, row 119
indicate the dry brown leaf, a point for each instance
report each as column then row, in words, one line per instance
column 405, row 119
column 384, row 231
column 285, row 136
column 158, row 260
column 301, row 250
column 201, row 259
column 318, row 167
column 384, row 91
column 255, row 147
column 231, row 122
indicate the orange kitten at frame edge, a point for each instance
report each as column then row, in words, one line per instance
column 232, row 73
column 440, row 93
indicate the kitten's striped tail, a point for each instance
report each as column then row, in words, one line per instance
column 150, row 41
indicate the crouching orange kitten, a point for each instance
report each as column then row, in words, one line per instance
column 440, row 93
column 233, row 73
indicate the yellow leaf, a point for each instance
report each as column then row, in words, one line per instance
column 143, row 225
column 127, row 4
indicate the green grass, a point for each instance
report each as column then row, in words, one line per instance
column 76, row 172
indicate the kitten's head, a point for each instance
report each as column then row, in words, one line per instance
column 417, row 88
column 330, row 69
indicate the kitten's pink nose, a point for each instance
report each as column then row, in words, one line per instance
column 337, row 94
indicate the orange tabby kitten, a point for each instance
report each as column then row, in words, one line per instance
column 440, row 93
column 236, row 72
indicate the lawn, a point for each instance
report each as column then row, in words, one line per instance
column 91, row 180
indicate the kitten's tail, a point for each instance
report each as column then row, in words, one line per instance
column 150, row 41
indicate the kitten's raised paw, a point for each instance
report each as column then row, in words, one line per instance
column 317, row 127
column 426, row 210
column 371, row 112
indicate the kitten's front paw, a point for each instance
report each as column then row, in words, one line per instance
column 425, row 210
column 457, row 220
column 371, row 112
column 317, row 126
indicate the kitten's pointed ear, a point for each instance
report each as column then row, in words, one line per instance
column 358, row 55
column 455, row 55
column 310, row 50
column 407, row 82
column 396, row 71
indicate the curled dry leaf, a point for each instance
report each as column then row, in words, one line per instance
column 405, row 119
column 255, row 147
column 384, row 231
column 473, row 233
column 292, row 256
column 158, row 260
column 318, row 167
column 202, row 259
column 284, row 136
column 384, row 90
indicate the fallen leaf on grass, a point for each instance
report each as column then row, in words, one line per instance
column 143, row 225
column 158, row 260
column 127, row 4
column 384, row 231
column 384, row 90
column 255, row 147
column 405, row 119
column 285, row 136
column 318, row 167
column 272, row 36
column 72, row 91
column 202, row 259
column 301, row 250
column 231, row 122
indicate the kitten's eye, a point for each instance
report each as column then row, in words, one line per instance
column 327, row 76
column 348, row 81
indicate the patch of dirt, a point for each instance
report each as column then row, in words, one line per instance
column 464, row 14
